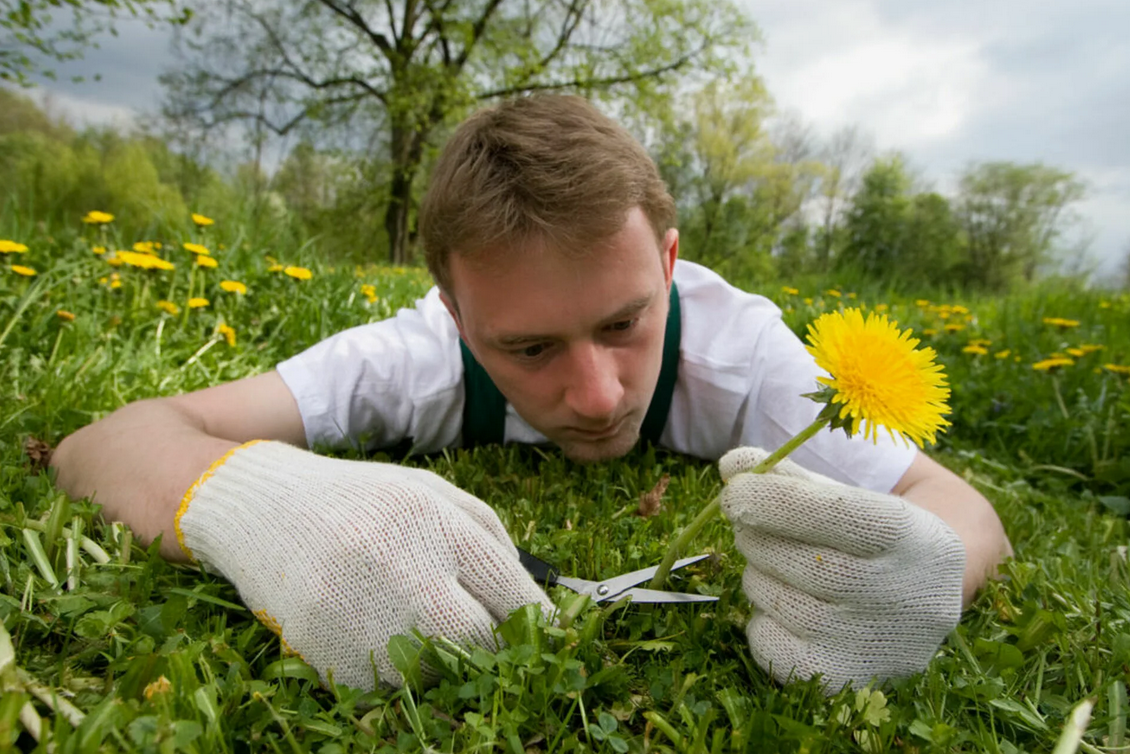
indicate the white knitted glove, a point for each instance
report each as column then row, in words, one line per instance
column 845, row 583
column 337, row 556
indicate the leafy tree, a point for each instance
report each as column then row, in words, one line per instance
column 403, row 69
column 844, row 160
column 1012, row 216
column 31, row 33
column 876, row 225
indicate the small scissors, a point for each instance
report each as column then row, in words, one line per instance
column 615, row 587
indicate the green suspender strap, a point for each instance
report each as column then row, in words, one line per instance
column 484, row 407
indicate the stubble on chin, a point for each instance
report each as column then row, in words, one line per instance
column 601, row 450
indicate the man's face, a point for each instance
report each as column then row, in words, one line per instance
column 575, row 343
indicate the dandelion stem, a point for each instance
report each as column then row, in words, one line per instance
column 707, row 513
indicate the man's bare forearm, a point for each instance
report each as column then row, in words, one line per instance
column 137, row 464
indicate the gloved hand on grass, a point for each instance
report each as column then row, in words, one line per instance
column 845, row 583
column 337, row 556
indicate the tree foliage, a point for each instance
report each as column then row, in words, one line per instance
column 388, row 76
column 32, row 34
column 1012, row 215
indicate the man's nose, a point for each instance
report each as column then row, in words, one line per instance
column 593, row 390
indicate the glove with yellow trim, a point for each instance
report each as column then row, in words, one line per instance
column 338, row 556
column 846, row 583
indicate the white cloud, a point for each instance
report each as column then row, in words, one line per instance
column 83, row 111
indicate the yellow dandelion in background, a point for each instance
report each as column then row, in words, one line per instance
column 94, row 217
column 975, row 349
column 144, row 261
column 11, row 247
column 922, row 303
column 369, row 292
column 954, row 327
column 1003, row 354
column 203, row 261
column 929, row 331
column 298, row 273
column 1090, row 347
column 789, row 291
column 196, row 248
column 1048, row 365
column 983, row 342
column 808, row 301
column 882, row 308
column 879, row 377
column 1061, row 322
column 114, row 260
column 275, row 268
column 159, row 686
column 146, row 247
column 98, row 249
column 233, row 286
column 833, row 293
column 202, row 221
column 168, row 306
column 1117, row 369
column 65, row 315
column 20, row 269
column 197, row 303
column 227, row 332
column 1076, row 352
column 115, row 284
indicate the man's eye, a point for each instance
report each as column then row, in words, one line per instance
column 626, row 324
column 532, row 352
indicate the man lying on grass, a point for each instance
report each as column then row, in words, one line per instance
column 560, row 316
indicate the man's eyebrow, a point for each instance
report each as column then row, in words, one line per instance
column 627, row 311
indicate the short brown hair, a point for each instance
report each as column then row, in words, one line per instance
column 550, row 167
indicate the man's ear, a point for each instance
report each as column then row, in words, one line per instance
column 453, row 310
column 670, row 254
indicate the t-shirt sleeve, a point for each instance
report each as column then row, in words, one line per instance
column 783, row 371
column 381, row 384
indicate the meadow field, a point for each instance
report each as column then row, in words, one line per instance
column 106, row 647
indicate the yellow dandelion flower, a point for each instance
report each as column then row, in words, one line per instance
column 159, row 686
column 954, row 327
column 196, row 248
column 168, row 306
column 275, row 268
column 1076, row 352
column 1048, row 365
column 1061, row 323
column 853, row 295
column 142, row 260
column 1003, row 354
column 975, row 349
column 114, row 260
column 878, row 376
column 65, row 315
column 11, row 247
column 808, row 301
column 929, row 331
column 1117, row 369
column 1090, row 347
column 922, row 303
column 983, row 342
column 789, row 291
column 202, row 221
column 233, row 286
column 94, row 217
column 146, row 247
column 20, row 269
column 99, row 249
column 833, row 293
column 882, row 308
column 203, row 261
column 115, row 284
column 197, row 303
column 298, row 273
column 227, row 332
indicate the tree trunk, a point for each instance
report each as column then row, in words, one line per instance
column 406, row 148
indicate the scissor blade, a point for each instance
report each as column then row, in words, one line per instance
column 657, row 595
column 615, row 586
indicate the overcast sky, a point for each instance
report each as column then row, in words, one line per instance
column 947, row 82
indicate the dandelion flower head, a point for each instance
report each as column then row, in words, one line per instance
column 196, row 248
column 94, row 217
column 11, row 247
column 20, row 269
column 197, row 303
column 233, row 286
column 878, row 377
column 298, row 273
column 202, row 221
column 206, row 261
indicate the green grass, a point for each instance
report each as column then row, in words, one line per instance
column 95, row 624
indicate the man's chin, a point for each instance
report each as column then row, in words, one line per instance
column 594, row 451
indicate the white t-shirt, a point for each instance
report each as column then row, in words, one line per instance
column 741, row 375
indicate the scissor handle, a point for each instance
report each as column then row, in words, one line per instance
column 542, row 572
